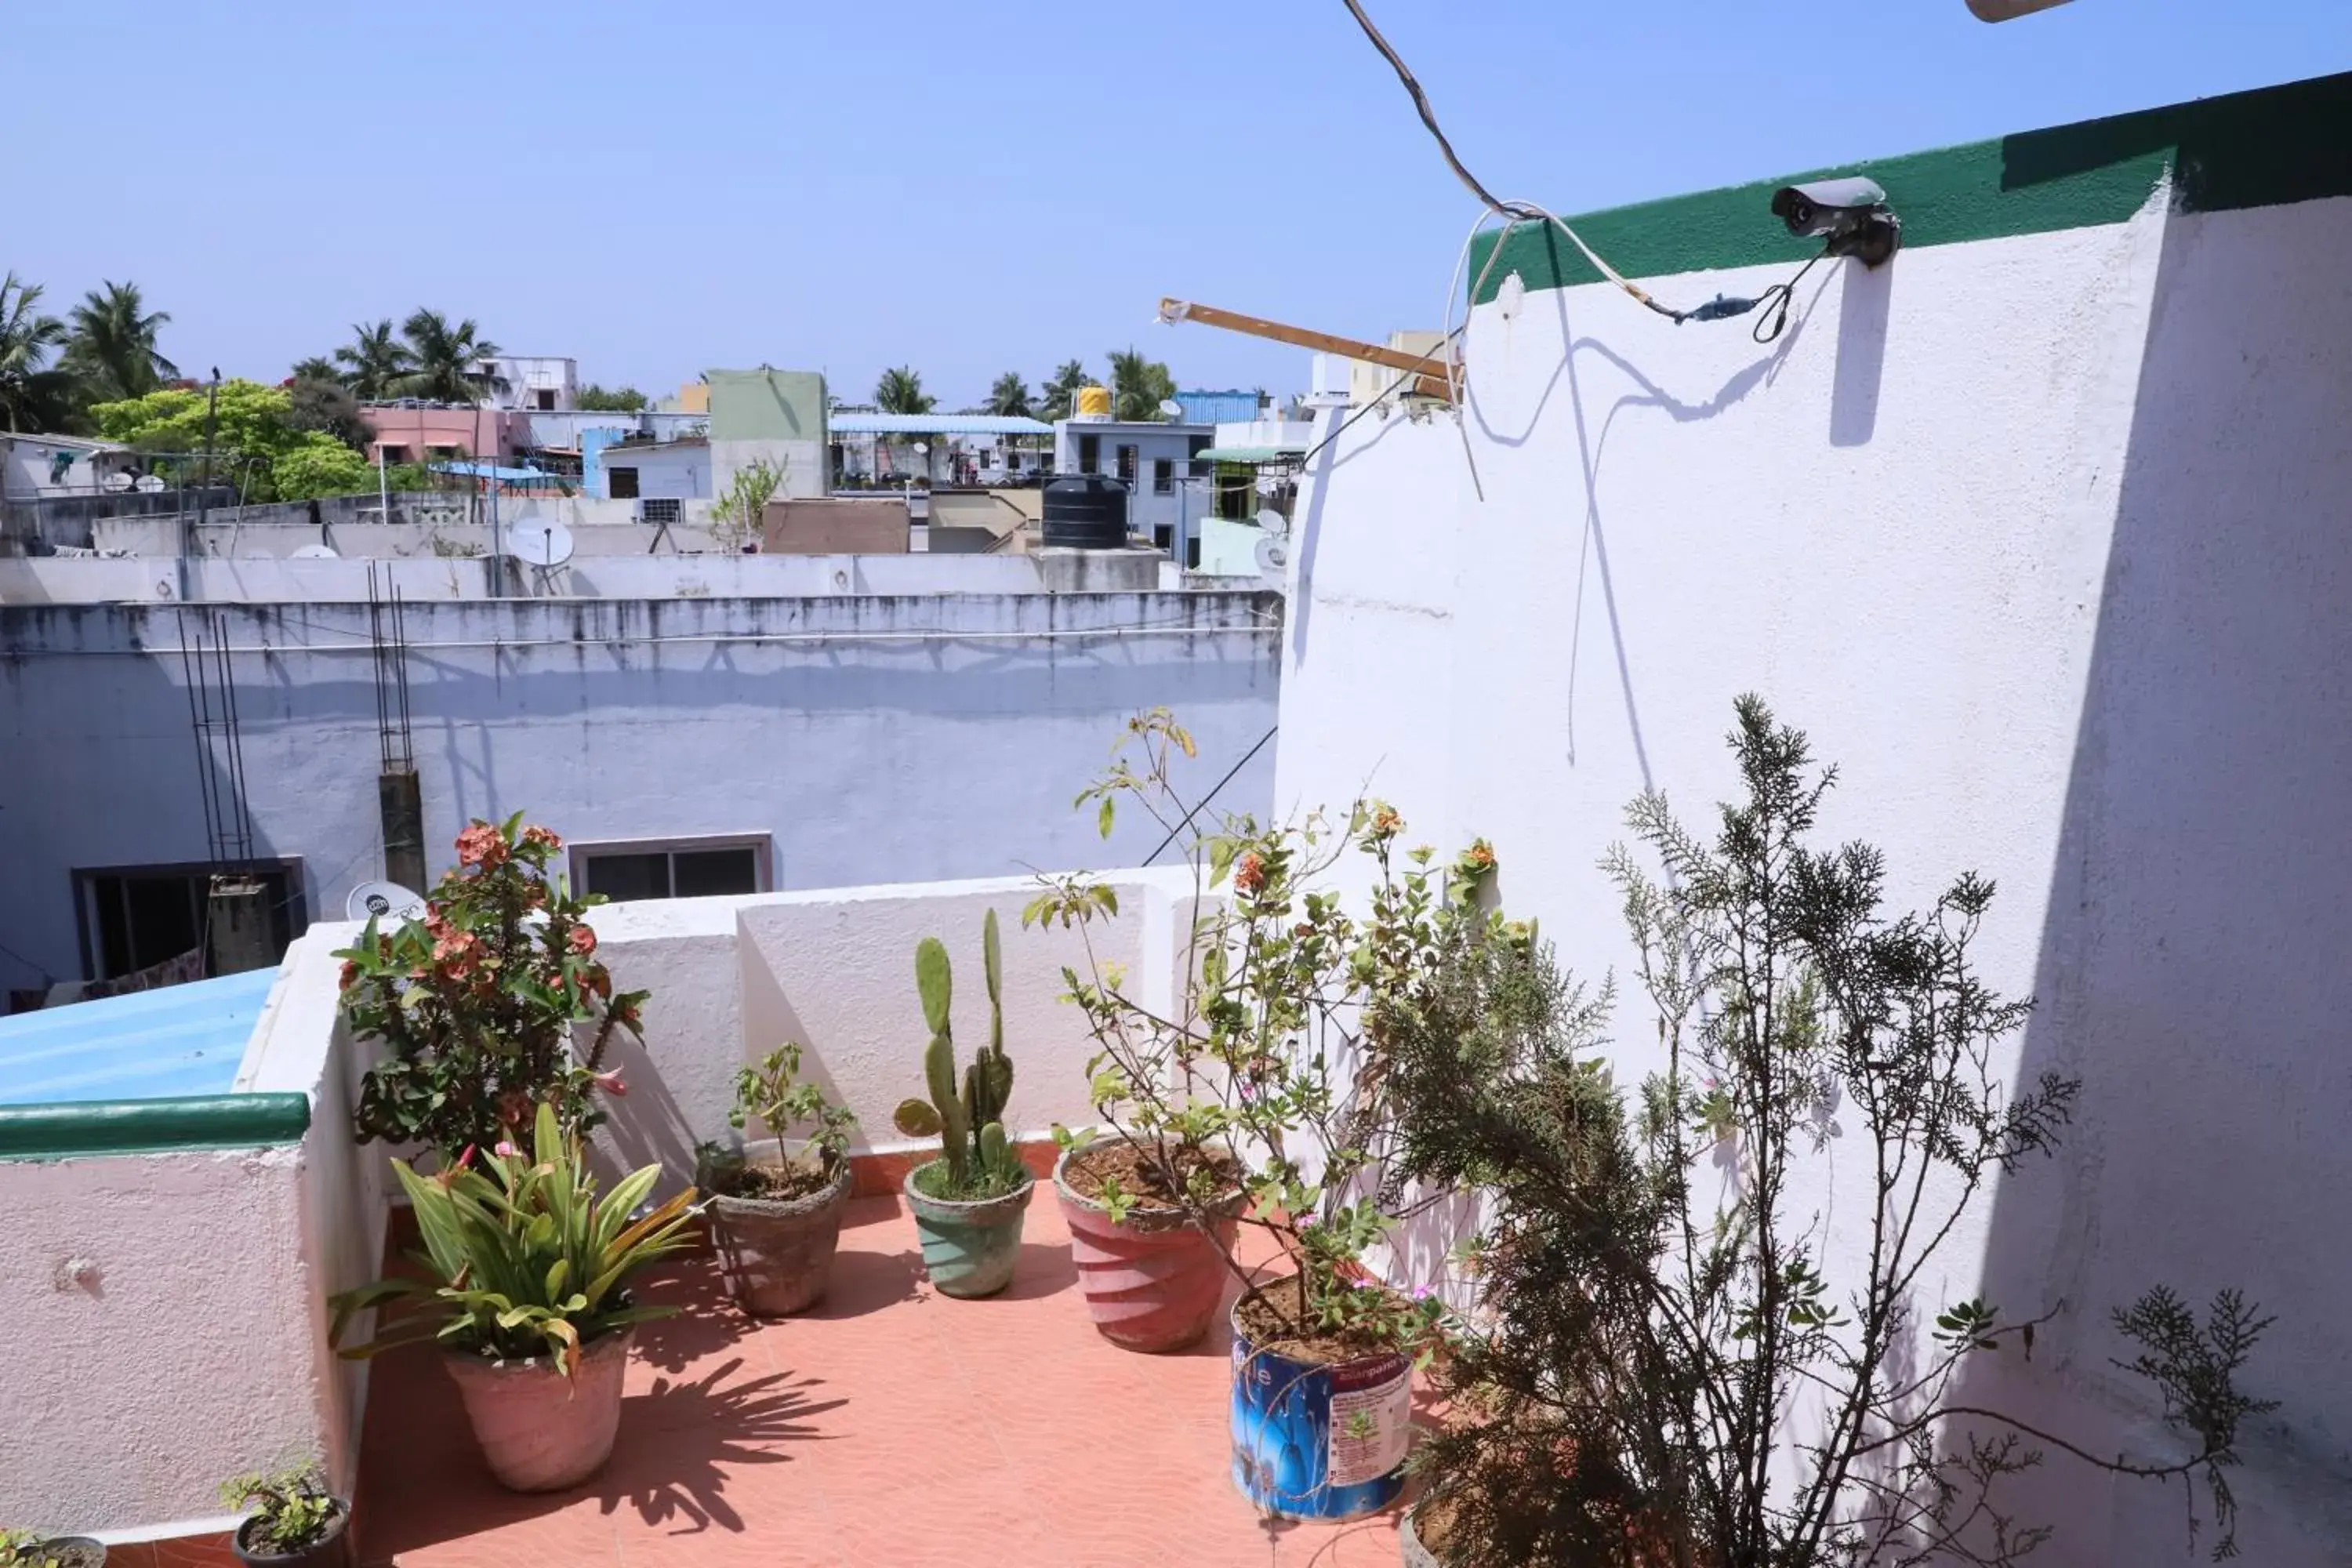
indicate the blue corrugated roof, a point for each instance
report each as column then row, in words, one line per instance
column 148, row 1044
column 851, row 423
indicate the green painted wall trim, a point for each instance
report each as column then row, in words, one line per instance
column 2262, row 148
column 151, row 1126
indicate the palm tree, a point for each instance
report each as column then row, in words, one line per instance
column 113, row 344
column 447, row 359
column 29, row 392
column 373, row 362
column 900, row 391
column 1010, row 397
column 1138, row 386
column 1062, row 391
column 318, row 367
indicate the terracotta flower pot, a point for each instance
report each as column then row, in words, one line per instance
column 540, row 1431
column 968, row 1250
column 778, row 1255
column 332, row 1549
column 73, row 1551
column 1153, row 1281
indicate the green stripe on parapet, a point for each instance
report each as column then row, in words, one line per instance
column 2263, row 148
column 151, row 1126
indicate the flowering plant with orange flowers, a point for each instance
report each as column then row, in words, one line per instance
column 477, row 1004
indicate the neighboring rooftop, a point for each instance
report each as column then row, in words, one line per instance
column 854, row 423
column 148, row 1044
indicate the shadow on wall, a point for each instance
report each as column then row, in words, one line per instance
column 2192, row 970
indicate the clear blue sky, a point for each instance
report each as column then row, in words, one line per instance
column 965, row 187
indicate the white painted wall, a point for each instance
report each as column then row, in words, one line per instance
column 875, row 738
column 2042, row 540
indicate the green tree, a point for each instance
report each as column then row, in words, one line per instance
column 35, row 396
column 254, row 427
column 900, row 391
column 1010, row 397
column 319, row 465
column 1061, row 391
column 1138, row 386
column 447, row 356
column 612, row 399
column 318, row 367
column 738, row 515
column 113, row 349
column 328, row 406
column 373, row 362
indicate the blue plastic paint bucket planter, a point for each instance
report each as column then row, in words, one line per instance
column 1316, row 1440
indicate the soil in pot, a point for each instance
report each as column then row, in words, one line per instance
column 1423, row 1533
column 1322, row 1422
column 1153, row 1279
column 970, row 1247
column 539, row 1431
column 777, row 1226
column 73, row 1551
column 331, row 1550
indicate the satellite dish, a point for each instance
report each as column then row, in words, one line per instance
column 1171, row 408
column 1273, row 521
column 922, row 448
column 542, row 544
column 117, row 481
column 149, row 485
column 315, row 553
column 387, row 902
column 1273, row 557
column 1267, row 484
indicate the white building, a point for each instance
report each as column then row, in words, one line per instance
column 2040, row 533
column 1154, row 459
column 542, row 383
column 676, row 470
column 32, row 466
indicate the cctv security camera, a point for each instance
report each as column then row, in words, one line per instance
column 1850, row 215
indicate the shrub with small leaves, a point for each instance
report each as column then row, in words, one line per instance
column 475, row 1003
column 770, row 1092
column 290, row 1510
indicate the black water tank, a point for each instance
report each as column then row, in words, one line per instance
column 1086, row 512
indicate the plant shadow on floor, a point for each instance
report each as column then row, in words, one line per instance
column 682, row 1439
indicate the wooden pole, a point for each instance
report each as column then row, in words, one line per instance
column 1428, row 384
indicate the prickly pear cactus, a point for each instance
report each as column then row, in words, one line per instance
column 967, row 1119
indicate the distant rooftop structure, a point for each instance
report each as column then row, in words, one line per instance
column 854, row 423
column 1228, row 407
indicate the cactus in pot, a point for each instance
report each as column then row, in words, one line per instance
column 969, row 1202
column 968, row 1118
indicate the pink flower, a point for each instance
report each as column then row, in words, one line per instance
column 547, row 835
column 610, row 1082
column 505, row 1149
column 481, row 845
column 581, row 939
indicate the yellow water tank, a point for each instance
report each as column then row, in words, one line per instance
column 1094, row 403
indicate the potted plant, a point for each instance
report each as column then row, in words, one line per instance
column 526, row 1291
column 967, row 1203
column 1647, row 1371
column 30, row 1549
column 292, row 1520
column 476, row 1004
column 1262, row 1076
column 777, row 1214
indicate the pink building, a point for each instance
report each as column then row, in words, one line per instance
column 420, row 433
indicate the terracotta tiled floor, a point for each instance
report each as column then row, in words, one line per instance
column 892, row 1428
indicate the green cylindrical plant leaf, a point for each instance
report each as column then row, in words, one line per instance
column 996, row 1156
column 933, row 979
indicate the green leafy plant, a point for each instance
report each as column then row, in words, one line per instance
column 1266, row 1052
column 27, row 1548
column 740, row 513
column 1654, row 1373
column 979, row 1161
column 291, row 1509
column 476, row 1001
column 524, row 1258
column 770, row 1092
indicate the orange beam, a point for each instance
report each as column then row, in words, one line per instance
column 1426, row 383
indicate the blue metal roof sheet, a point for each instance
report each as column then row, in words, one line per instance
column 148, row 1044
column 853, row 423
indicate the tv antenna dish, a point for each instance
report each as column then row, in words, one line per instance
column 117, row 482
column 386, row 901
column 541, row 544
column 1274, row 522
column 1170, row 408
column 148, row 485
column 315, row 553
column 1273, row 557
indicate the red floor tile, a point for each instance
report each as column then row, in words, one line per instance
column 890, row 1428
